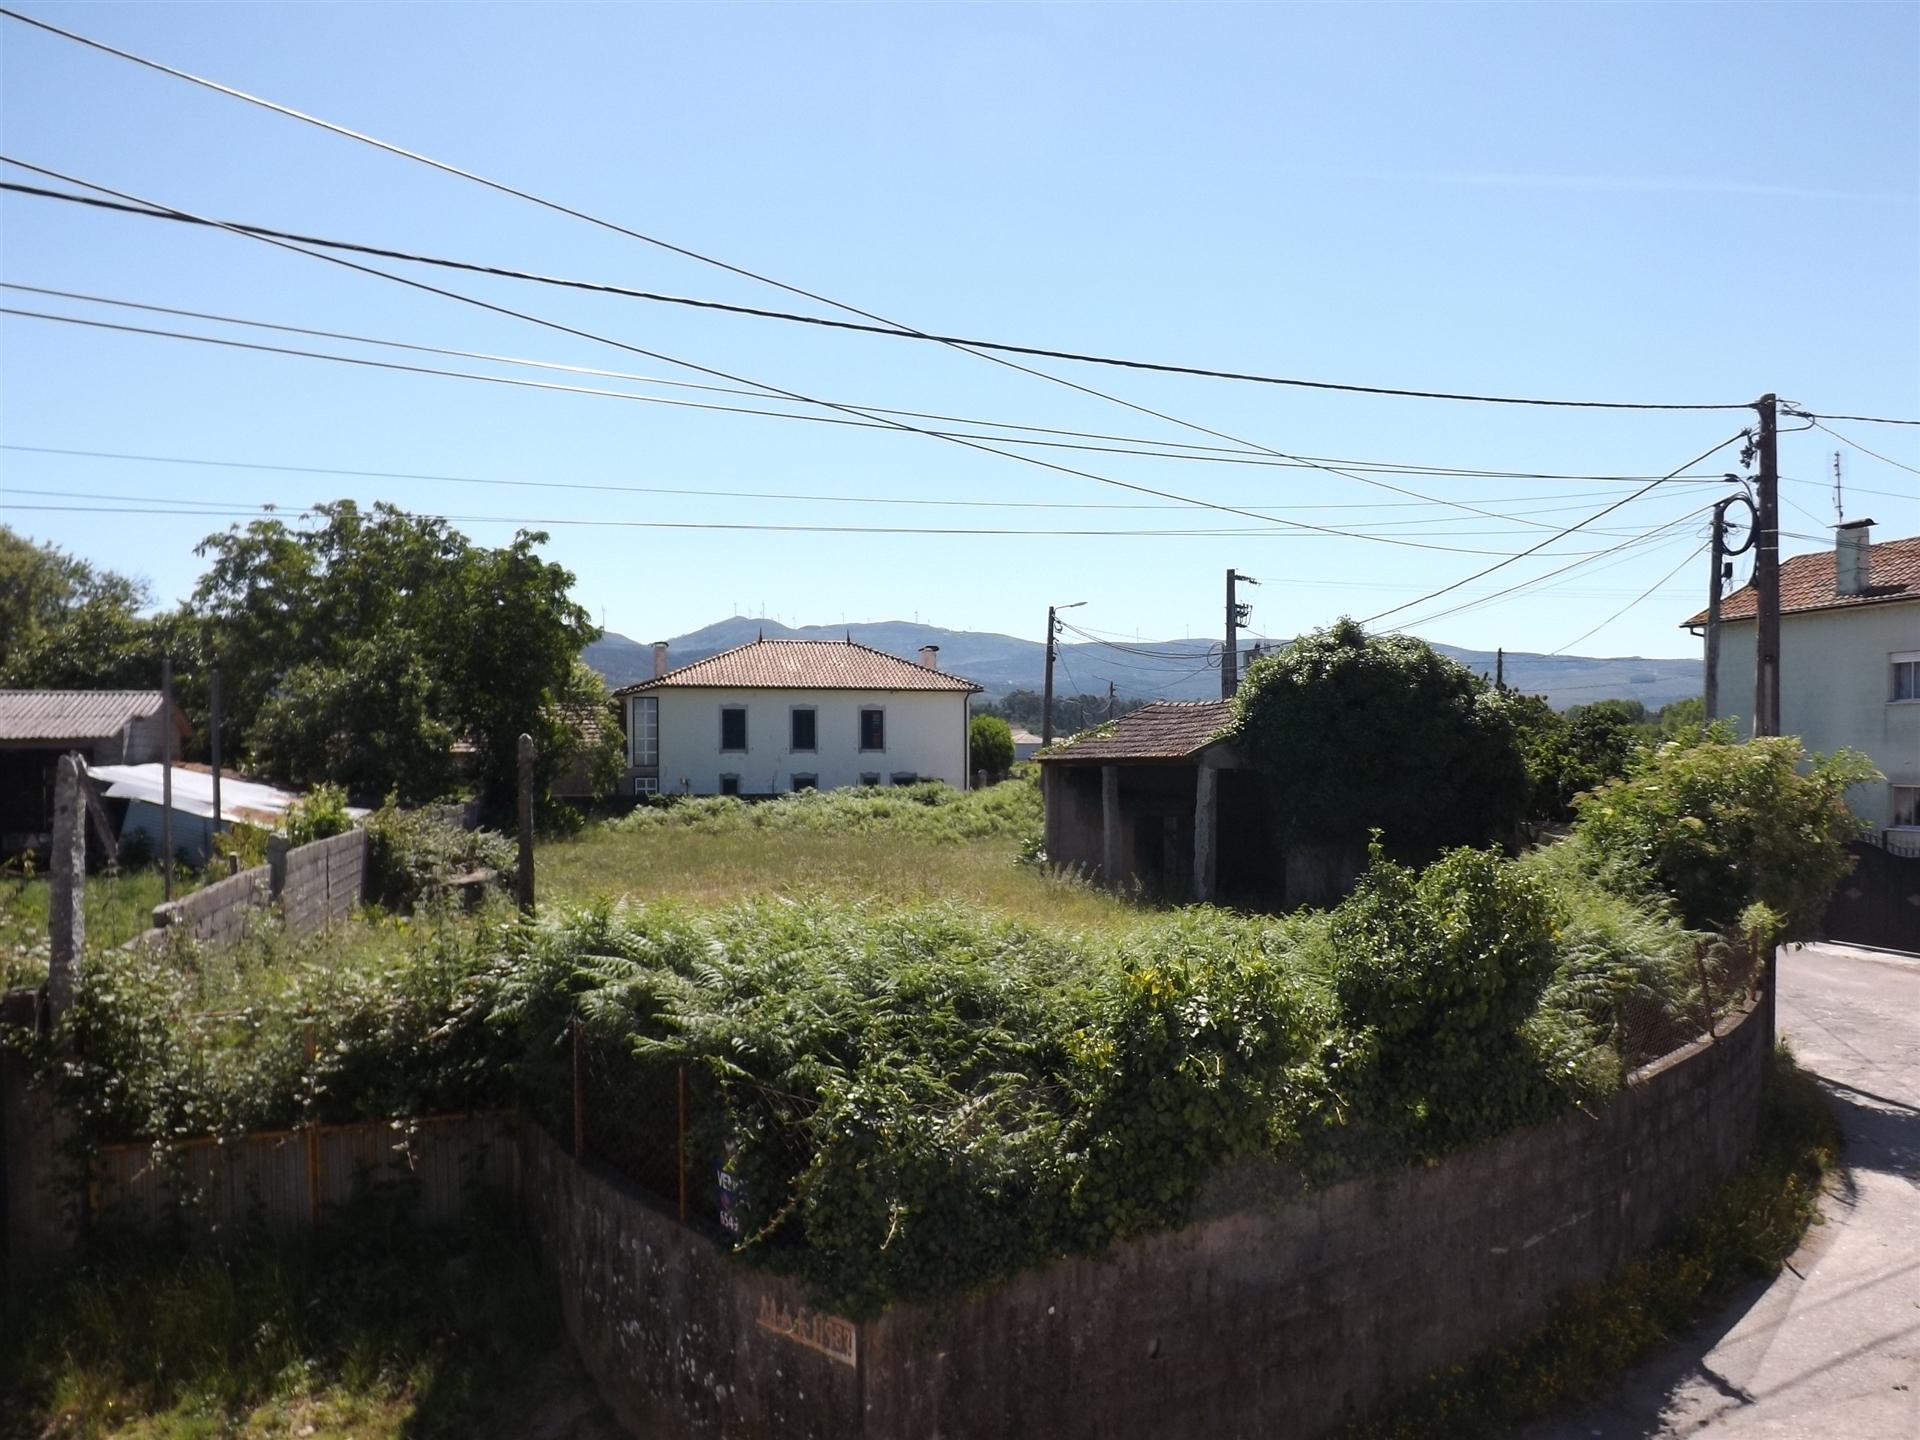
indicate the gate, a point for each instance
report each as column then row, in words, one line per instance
column 1879, row 903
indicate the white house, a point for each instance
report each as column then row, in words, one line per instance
column 1849, row 662
column 780, row 715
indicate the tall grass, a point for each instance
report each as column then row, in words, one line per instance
column 118, row 907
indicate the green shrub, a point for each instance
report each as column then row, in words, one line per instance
column 1721, row 826
column 321, row 812
column 989, row 744
column 928, row 811
column 413, row 854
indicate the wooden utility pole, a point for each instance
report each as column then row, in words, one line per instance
column 1112, row 703
column 1766, row 573
column 1500, row 669
column 523, row 879
column 66, row 900
column 1046, row 695
column 1236, row 617
column 166, row 775
column 213, row 727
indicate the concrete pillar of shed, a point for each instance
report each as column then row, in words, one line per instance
column 67, row 900
column 1110, row 825
column 1205, row 792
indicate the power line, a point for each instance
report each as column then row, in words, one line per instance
column 1633, row 602
column 1804, row 414
column 772, row 389
column 1578, row 525
column 1172, row 450
column 888, row 329
column 1875, row 454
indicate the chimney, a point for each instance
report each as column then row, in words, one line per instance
column 930, row 656
column 659, row 658
column 1852, row 558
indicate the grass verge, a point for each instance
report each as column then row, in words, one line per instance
column 1745, row 1231
column 372, row 1330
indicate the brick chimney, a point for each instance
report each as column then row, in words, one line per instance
column 659, row 658
column 1852, row 558
column 930, row 656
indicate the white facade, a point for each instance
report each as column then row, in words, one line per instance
column 1840, row 686
column 922, row 735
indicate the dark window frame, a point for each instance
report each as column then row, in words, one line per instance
column 794, row 712
column 880, row 712
column 798, row 783
column 725, row 712
column 729, row 784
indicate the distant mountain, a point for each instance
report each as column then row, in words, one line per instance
column 1170, row 669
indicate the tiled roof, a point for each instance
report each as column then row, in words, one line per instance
column 72, row 714
column 1806, row 582
column 804, row 665
column 1164, row 730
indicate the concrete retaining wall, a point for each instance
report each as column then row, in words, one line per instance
column 1272, row 1323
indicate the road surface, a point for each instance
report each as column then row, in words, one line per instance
column 1830, row 1349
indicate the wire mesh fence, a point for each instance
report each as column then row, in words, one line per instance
column 633, row 1115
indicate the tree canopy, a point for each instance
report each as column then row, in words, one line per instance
column 1356, row 733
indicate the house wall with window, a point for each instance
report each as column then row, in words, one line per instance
column 766, row 741
column 1849, row 677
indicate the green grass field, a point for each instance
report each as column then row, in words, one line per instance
column 118, row 907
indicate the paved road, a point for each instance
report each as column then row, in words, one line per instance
column 1831, row 1349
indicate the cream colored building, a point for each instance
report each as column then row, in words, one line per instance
column 783, row 715
column 1849, row 662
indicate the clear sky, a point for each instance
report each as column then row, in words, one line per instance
column 1676, row 202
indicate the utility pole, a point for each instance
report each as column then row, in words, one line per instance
column 213, row 725
column 1766, row 573
column 1111, row 702
column 1500, row 669
column 1046, row 695
column 1722, row 572
column 166, row 776
column 1236, row 617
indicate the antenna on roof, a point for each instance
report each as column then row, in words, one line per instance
column 763, row 634
column 1839, row 507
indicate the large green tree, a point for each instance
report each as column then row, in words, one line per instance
column 1357, row 733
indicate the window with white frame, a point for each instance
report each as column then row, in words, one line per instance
column 646, row 784
column 643, row 735
column 1906, row 675
column 1906, row 806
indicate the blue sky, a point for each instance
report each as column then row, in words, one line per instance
column 1690, row 203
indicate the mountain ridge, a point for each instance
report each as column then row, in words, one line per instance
column 1169, row 669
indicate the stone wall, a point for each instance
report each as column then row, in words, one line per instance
column 1272, row 1322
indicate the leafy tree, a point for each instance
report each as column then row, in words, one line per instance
column 1682, row 715
column 1071, row 713
column 1357, row 733
column 1567, row 755
column 989, row 744
column 1721, row 826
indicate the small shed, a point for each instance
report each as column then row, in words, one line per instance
column 37, row 727
column 1159, row 800
column 1026, row 744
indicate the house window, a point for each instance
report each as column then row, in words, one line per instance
column 1906, row 806
column 733, row 727
column 729, row 784
column 805, row 782
column 869, row 777
column 873, row 728
column 805, row 729
column 1906, row 675
column 646, row 785
column 906, row 777
column 643, row 739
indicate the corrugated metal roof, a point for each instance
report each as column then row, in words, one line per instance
column 804, row 665
column 1807, row 583
column 1164, row 730
column 72, row 714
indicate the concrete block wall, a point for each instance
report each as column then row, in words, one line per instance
column 319, row 883
column 1272, row 1322
column 218, row 913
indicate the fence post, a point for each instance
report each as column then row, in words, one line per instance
column 579, row 1094
column 680, row 1156
column 67, row 889
column 313, row 1137
column 524, row 886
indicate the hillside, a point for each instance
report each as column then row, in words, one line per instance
column 1005, row 662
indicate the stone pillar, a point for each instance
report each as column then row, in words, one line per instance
column 1206, row 787
column 67, row 919
column 523, row 887
column 1110, row 826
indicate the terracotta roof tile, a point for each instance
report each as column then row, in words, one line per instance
column 804, row 665
column 1164, row 730
column 1806, row 582
column 72, row 714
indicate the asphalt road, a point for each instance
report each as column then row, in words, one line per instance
column 1830, row 1349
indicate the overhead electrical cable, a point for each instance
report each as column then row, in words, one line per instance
column 1800, row 412
column 883, row 328
column 1873, row 454
column 1599, row 514
column 1033, row 460
column 1644, row 594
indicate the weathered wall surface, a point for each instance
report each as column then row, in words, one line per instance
column 217, row 913
column 681, row 1340
column 1272, row 1323
column 323, row 881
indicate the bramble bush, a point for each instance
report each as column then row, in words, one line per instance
column 413, row 854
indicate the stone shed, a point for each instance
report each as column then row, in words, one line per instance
column 1159, row 800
